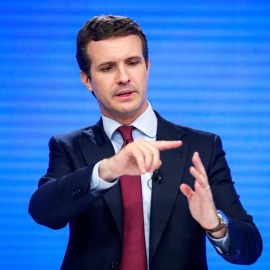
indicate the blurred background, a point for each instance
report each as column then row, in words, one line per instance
column 210, row 70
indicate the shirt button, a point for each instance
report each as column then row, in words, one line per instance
column 115, row 265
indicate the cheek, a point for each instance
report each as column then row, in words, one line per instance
column 104, row 83
column 144, row 82
column 139, row 79
column 97, row 85
column 103, row 91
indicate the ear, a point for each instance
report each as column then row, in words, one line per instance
column 85, row 80
column 148, row 67
column 148, row 64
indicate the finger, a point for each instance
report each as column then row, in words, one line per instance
column 145, row 155
column 139, row 148
column 199, row 190
column 146, row 152
column 166, row 145
column 202, row 179
column 136, row 153
column 197, row 175
column 198, row 163
column 153, row 162
column 203, row 193
column 198, row 170
column 187, row 191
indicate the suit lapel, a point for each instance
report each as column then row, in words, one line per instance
column 95, row 146
column 164, row 193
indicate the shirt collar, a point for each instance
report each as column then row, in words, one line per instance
column 146, row 123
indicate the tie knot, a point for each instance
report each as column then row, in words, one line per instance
column 126, row 132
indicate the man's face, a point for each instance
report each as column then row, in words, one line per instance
column 119, row 77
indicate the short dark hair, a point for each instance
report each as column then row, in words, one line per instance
column 104, row 27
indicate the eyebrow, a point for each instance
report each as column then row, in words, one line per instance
column 139, row 58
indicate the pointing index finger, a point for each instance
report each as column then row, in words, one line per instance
column 166, row 145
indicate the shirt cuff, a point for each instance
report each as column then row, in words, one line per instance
column 222, row 245
column 97, row 184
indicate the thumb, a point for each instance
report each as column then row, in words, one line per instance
column 186, row 190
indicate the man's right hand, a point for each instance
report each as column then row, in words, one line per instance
column 135, row 158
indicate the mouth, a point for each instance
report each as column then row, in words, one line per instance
column 125, row 93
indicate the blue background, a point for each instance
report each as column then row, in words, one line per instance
column 210, row 69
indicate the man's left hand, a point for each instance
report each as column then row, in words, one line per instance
column 201, row 204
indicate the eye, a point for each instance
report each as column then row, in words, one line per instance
column 133, row 63
column 107, row 68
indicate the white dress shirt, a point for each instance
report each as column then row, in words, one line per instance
column 146, row 128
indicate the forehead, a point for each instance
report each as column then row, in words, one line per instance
column 114, row 49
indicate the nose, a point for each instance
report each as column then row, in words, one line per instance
column 122, row 76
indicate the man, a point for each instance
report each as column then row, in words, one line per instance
column 184, row 191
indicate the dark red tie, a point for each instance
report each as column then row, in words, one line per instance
column 134, row 252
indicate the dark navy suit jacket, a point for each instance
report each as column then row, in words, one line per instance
column 177, row 242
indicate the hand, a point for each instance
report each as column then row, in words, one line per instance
column 201, row 204
column 135, row 158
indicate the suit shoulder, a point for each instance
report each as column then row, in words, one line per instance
column 189, row 131
column 201, row 140
column 171, row 131
column 180, row 129
column 73, row 135
column 197, row 132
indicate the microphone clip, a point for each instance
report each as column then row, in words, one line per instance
column 156, row 177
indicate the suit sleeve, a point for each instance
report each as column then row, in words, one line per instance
column 63, row 193
column 245, row 239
